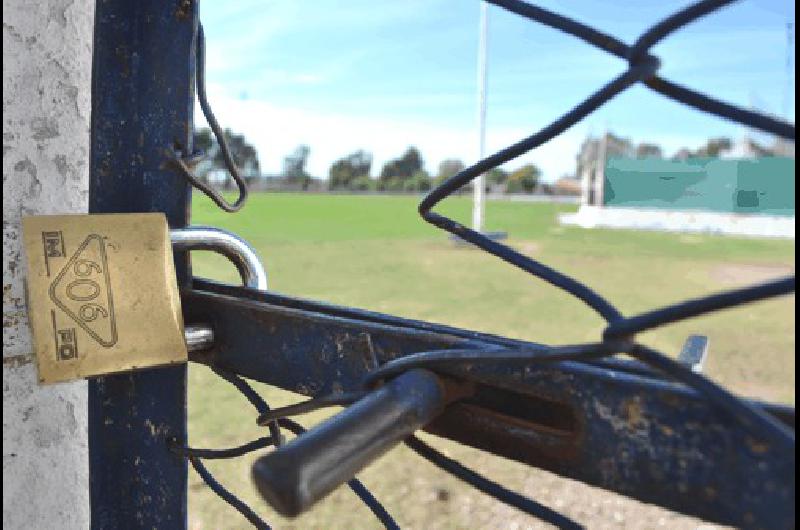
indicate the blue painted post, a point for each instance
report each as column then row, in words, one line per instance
column 142, row 101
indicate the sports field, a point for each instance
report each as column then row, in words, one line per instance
column 376, row 253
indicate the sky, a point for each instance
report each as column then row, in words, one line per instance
column 382, row 75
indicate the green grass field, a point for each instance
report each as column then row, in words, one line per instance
column 376, row 253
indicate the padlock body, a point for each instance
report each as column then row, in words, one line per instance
column 102, row 294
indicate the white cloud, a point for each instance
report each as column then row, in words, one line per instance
column 276, row 131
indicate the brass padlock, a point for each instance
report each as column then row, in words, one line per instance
column 102, row 291
column 102, row 294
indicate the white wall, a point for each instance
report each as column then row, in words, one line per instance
column 46, row 107
column 735, row 224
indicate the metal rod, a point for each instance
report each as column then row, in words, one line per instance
column 295, row 476
column 788, row 89
column 198, row 337
column 231, row 246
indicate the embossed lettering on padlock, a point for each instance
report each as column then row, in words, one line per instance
column 102, row 294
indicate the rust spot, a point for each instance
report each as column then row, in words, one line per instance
column 457, row 389
column 123, row 56
column 670, row 399
column 184, row 10
column 633, row 413
column 757, row 447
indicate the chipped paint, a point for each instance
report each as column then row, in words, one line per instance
column 609, row 424
column 142, row 55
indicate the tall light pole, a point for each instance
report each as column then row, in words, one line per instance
column 787, row 90
column 478, row 206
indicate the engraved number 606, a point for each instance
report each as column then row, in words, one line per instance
column 83, row 268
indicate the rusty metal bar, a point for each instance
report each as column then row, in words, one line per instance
column 142, row 101
column 626, row 431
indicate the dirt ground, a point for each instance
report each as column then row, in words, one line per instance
column 735, row 274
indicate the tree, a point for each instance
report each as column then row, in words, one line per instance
column 714, row 147
column 524, row 179
column 204, row 140
column 448, row 168
column 350, row 169
column 362, row 183
column 682, row 154
column 645, row 150
column 496, row 176
column 419, row 181
column 617, row 146
column 594, row 150
column 244, row 155
column 400, row 169
column 294, row 167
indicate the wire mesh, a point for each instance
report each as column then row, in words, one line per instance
column 619, row 334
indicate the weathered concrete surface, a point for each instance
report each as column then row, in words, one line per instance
column 46, row 107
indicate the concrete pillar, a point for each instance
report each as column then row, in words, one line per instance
column 47, row 56
column 600, row 171
column 586, row 185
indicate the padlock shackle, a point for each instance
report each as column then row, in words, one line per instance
column 231, row 246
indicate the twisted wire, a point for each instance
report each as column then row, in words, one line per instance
column 194, row 455
column 618, row 334
column 184, row 162
column 642, row 68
